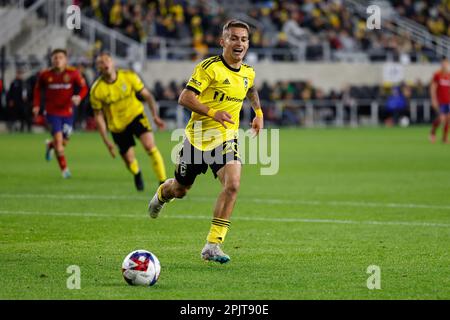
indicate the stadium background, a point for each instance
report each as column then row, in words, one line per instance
column 354, row 189
column 317, row 62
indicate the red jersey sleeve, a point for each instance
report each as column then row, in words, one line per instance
column 81, row 83
column 435, row 78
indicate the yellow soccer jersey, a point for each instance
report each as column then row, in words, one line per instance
column 118, row 99
column 221, row 87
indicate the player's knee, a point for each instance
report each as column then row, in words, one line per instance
column 232, row 186
column 180, row 192
column 148, row 147
column 59, row 149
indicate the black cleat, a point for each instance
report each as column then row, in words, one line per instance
column 138, row 181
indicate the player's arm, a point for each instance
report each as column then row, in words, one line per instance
column 188, row 99
column 151, row 102
column 433, row 95
column 99, row 118
column 81, row 83
column 258, row 121
column 102, row 129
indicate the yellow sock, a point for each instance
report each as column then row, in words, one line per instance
column 158, row 164
column 134, row 167
column 218, row 231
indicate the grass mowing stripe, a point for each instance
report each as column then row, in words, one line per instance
column 333, row 221
column 243, row 199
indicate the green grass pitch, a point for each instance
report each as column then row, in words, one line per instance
column 344, row 199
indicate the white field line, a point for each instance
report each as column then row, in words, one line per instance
column 191, row 217
column 254, row 200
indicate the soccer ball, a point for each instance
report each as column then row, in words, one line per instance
column 141, row 267
column 404, row 122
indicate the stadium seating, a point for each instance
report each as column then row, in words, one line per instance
column 323, row 30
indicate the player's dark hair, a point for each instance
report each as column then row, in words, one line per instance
column 104, row 53
column 58, row 50
column 235, row 24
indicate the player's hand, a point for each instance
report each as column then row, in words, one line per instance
column 76, row 100
column 35, row 111
column 257, row 124
column 111, row 148
column 222, row 117
column 160, row 123
column 435, row 104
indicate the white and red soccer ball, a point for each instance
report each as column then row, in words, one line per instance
column 141, row 267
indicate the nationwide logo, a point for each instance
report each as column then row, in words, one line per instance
column 226, row 81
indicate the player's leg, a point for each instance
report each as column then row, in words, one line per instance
column 166, row 192
column 229, row 176
column 57, row 127
column 67, row 127
column 186, row 171
column 129, row 157
column 446, row 125
column 60, row 156
column 125, row 142
column 49, row 147
column 172, row 189
column 54, row 125
column 436, row 123
column 148, row 142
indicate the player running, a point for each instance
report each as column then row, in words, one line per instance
column 214, row 94
column 60, row 84
column 440, row 100
column 113, row 95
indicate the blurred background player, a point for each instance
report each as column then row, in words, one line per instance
column 440, row 100
column 113, row 95
column 64, row 88
column 215, row 94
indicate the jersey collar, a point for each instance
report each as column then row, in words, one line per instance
column 115, row 80
column 228, row 66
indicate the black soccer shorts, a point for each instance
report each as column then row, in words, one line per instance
column 125, row 140
column 191, row 161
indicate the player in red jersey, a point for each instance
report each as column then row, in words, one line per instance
column 64, row 88
column 440, row 100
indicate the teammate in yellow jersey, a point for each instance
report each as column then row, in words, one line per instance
column 214, row 94
column 113, row 96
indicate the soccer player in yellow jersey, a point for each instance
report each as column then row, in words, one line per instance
column 113, row 96
column 214, row 94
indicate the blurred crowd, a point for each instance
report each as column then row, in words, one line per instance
column 276, row 24
column 140, row 19
column 284, row 102
column 434, row 14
